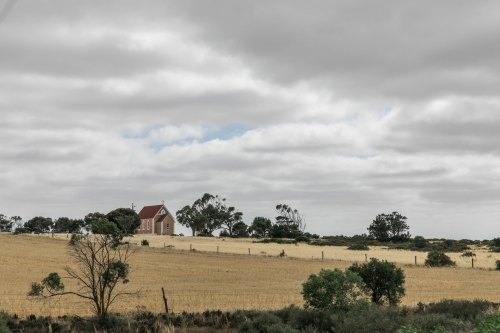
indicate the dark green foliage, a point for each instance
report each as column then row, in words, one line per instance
column 332, row 289
column 358, row 247
column 460, row 309
column 64, row 224
column 4, row 319
column 240, row 229
column 303, row 239
column 126, row 219
column 261, row 226
column 39, row 224
column 437, row 322
column 5, row 223
column 468, row 254
column 284, row 231
column 390, row 227
column 266, row 323
column 420, row 242
column 145, row 242
column 497, row 265
column 438, row 259
column 90, row 218
column 383, row 280
column 375, row 319
column 490, row 324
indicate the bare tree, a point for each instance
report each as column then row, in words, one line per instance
column 102, row 267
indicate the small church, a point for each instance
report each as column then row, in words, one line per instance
column 156, row 220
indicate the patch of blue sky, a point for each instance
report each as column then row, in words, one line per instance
column 226, row 132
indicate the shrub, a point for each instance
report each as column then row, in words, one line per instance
column 420, row 242
column 460, row 309
column 266, row 323
column 497, row 265
column 145, row 242
column 468, row 254
column 4, row 318
column 383, row 280
column 332, row 289
column 375, row 319
column 302, row 239
column 358, row 247
column 489, row 325
column 436, row 322
column 438, row 259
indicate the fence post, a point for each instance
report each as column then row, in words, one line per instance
column 366, row 258
column 322, row 255
column 472, row 262
column 248, row 251
column 415, row 260
column 190, row 247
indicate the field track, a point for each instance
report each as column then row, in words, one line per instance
column 202, row 279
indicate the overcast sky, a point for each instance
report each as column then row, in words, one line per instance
column 341, row 109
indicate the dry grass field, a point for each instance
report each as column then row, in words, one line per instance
column 232, row 279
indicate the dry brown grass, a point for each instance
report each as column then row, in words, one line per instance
column 198, row 280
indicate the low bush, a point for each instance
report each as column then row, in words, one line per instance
column 303, row 239
column 497, row 265
column 4, row 319
column 266, row 323
column 145, row 242
column 489, row 325
column 358, row 247
column 468, row 254
column 460, row 309
column 438, row 259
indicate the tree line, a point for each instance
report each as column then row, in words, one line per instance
column 125, row 220
column 211, row 213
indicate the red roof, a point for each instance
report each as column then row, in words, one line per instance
column 148, row 212
column 162, row 217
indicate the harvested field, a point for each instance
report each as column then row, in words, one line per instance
column 199, row 280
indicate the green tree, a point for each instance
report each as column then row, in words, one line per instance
column 210, row 211
column 126, row 219
column 438, row 259
column 333, row 289
column 390, row 227
column 291, row 219
column 90, row 218
column 190, row 218
column 261, row 226
column 383, row 280
column 101, row 270
column 240, row 229
column 39, row 224
column 64, row 224
column 5, row 223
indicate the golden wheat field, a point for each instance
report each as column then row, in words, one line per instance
column 231, row 279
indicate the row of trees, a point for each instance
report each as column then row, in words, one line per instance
column 125, row 219
column 210, row 213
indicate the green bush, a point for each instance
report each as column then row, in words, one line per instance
column 304, row 239
column 468, row 254
column 489, row 325
column 497, row 264
column 375, row 319
column 359, row 247
column 266, row 323
column 438, row 259
column 4, row 318
column 384, row 282
column 460, row 309
column 332, row 289
column 436, row 322
column 145, row 242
